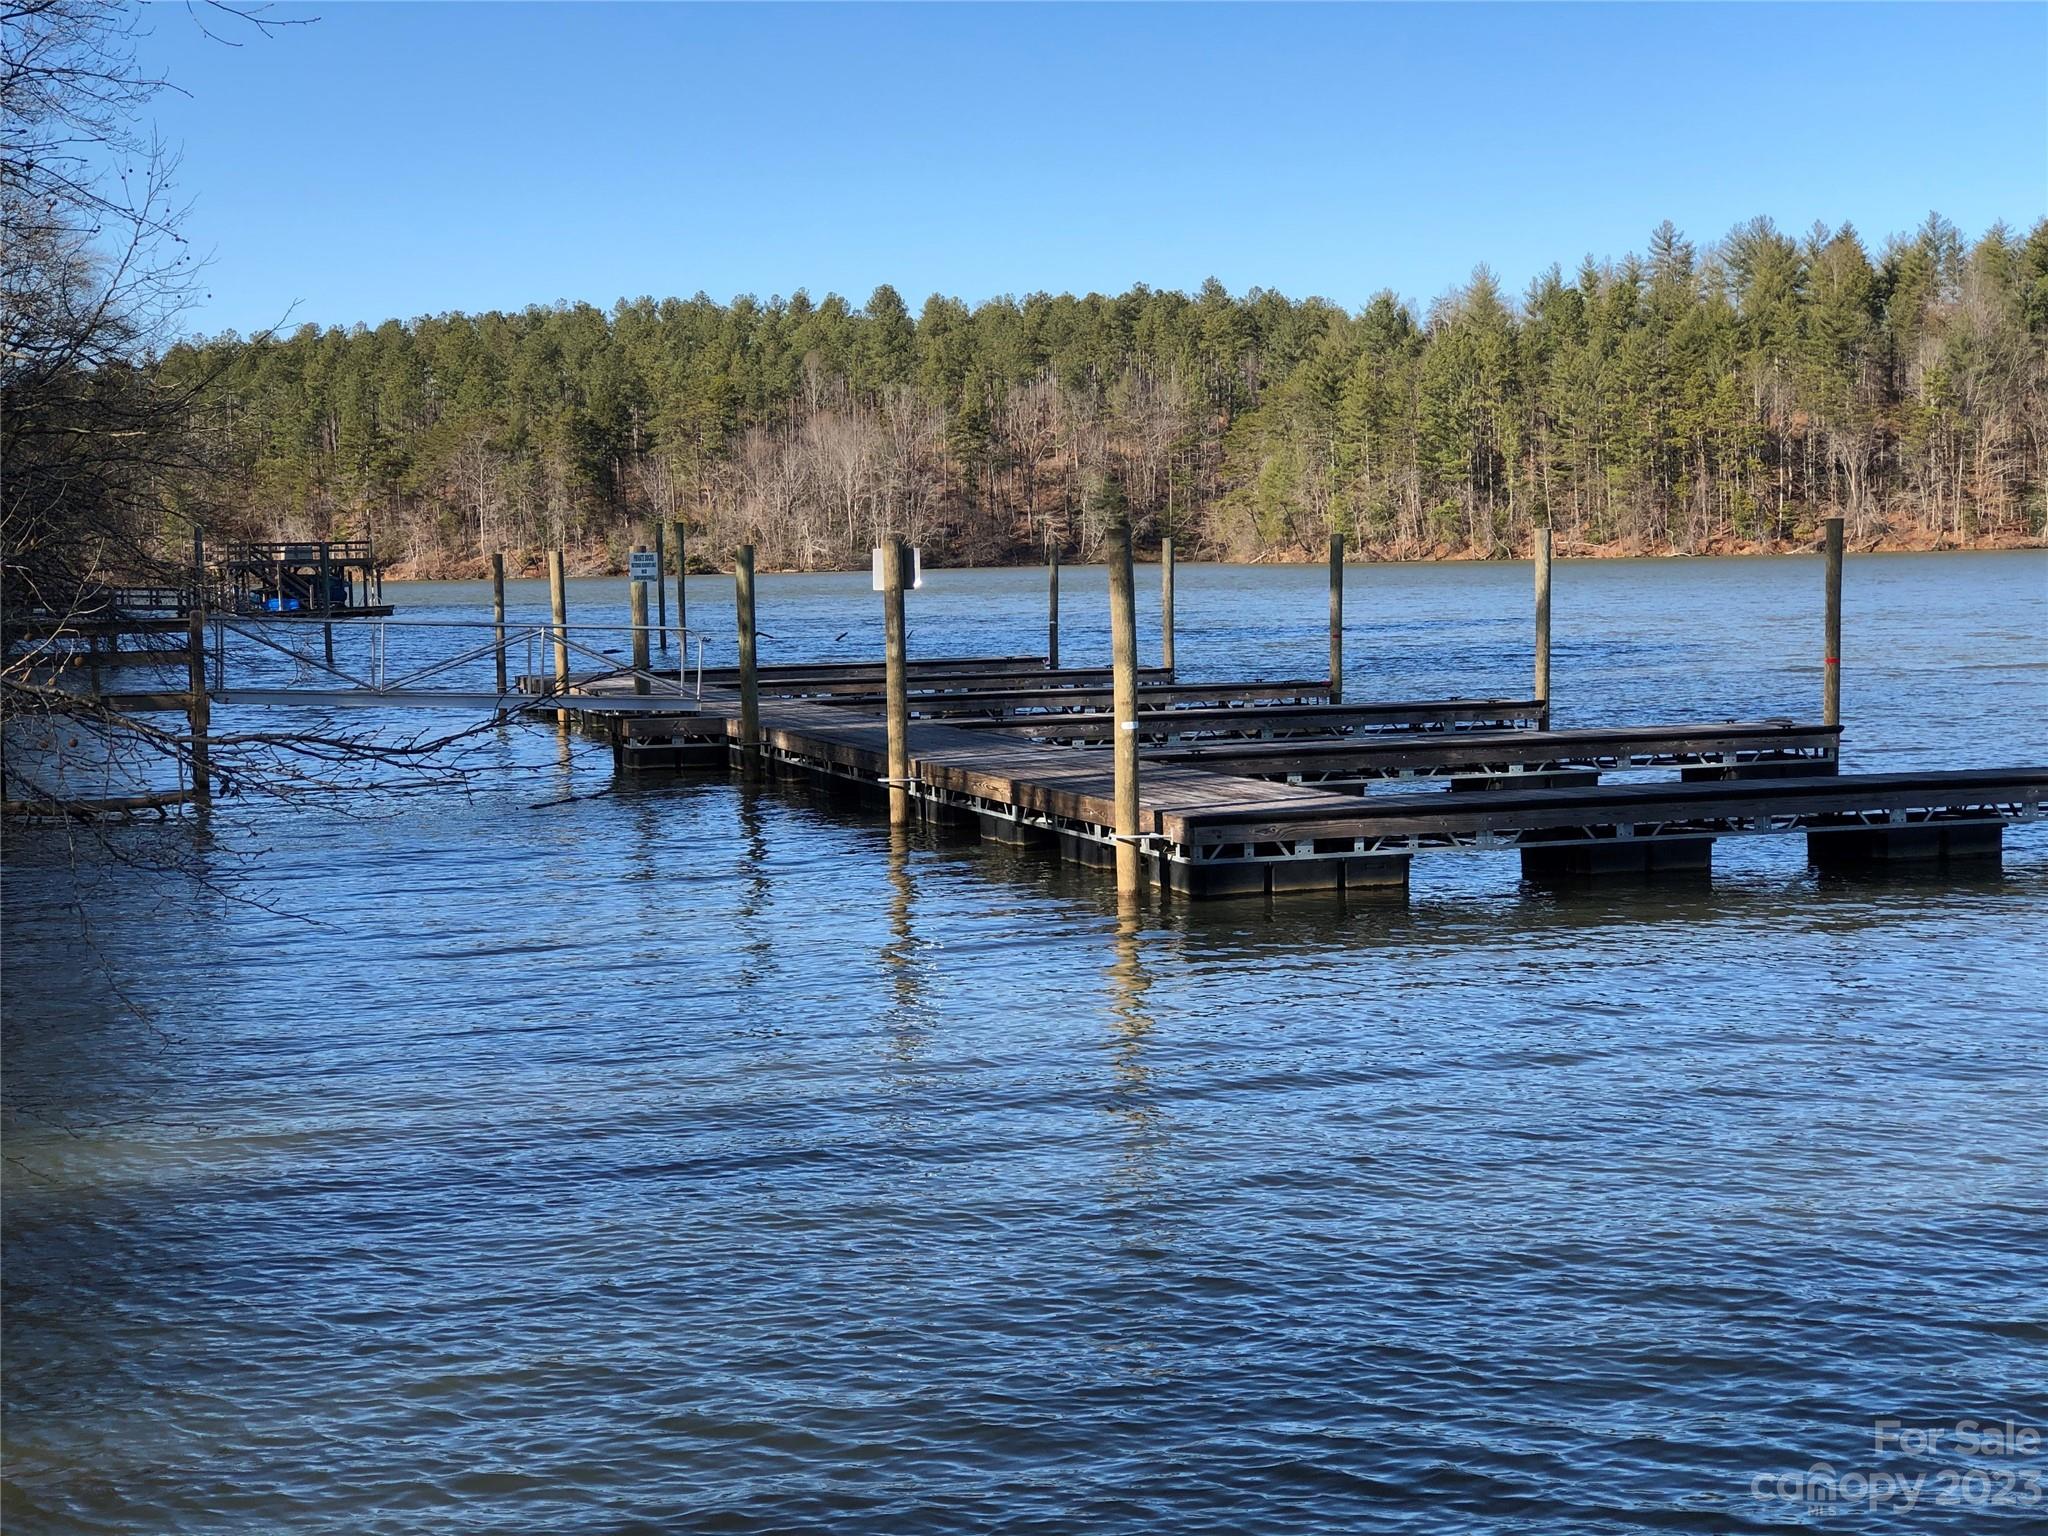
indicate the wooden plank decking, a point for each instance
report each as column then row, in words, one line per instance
column 1269, row 721
column 1728, row 747
column 1222, row 819
column 1063, row 697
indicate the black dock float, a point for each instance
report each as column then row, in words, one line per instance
column 1635, row 827
column 1267, row 786
column 1210, row 831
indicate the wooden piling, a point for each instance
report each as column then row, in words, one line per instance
column 1123, row 650
column 636, row 608
column 682, row 570
column 1052, row 608
column 327, row 602
column 198, row 707
column 750, row 682
column 895, row 682
column 1831, row 625
column 1542, row 693
column 558, row 607
column 1336, row 618
column 1166, row 602
column 661, row 585
column 498, row 612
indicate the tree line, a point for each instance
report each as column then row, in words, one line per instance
column 1689, row 399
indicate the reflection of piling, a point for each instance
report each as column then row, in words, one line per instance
column 1831, row 623
column 750, row 682
column 1128, row 980
column 1123, row 652
column 1128, row 985
column 198, row 708
column 900, row 953
column 895, row 685
column 327, row 603
column 1166, row 602
column 498, row 612
column 1131, row 1104
column 1543, row 621
column 636, row 607
column 1336, row 618
column 1052, row 608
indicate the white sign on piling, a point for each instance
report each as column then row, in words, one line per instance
column 644, row 565
column 916, row 581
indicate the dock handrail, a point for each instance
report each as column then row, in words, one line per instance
column 301, row 551
column 503, row 638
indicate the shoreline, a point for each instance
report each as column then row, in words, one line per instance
column 599, row 561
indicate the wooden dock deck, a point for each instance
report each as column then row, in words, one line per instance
column 996, row 703
column 1727, row 750
column 1237, row 721
column 1208, row 787
column 1238, row 797
column 1243, row 786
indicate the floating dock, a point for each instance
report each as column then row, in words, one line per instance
column 1259, row 788
column 1204, row 788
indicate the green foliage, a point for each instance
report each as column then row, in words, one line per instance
column 1736, row 391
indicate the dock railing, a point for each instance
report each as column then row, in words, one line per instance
column 503, row 642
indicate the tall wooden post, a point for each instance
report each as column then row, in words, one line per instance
column 1831, row 675
column 1543, row 622
column 1166, row 603
column 327, row 600
column 661, row 584
column 750, row 682
column 682, row 570
column 1336, row 618
column 1052, row 609
column 198, row 707
column 1123, row 655
column 895, row 682
column 636, row 608
column 558, row 607
column 498, row 612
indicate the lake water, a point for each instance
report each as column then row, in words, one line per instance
column 683, row 1156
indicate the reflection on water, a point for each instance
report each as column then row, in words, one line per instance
column 909, row 1018
column 756, row 930
column 699, row 1154
column 1132, row 1103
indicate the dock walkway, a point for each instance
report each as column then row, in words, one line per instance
column 1253, row 812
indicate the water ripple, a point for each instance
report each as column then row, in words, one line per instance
column 690, row 1158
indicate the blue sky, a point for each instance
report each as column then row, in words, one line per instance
column 406, row 159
